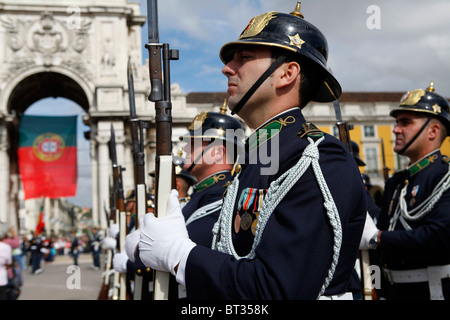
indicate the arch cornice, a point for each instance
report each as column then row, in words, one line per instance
column 86, row 86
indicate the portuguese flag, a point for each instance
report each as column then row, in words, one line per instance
column 48, row 156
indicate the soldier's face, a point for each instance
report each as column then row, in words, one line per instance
column 130, row 207
column 247, row 65
column 194, row 153
column 407, row 126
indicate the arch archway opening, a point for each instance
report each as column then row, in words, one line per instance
column 42, row 85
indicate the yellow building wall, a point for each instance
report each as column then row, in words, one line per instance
column 385, row 133
column 445, row 148
column 325, row 129
column 356, row 135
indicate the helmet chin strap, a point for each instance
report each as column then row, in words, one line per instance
column 415, row 137
column 199, row 157
column 258, row 83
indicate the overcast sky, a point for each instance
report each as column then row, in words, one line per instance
column 410, row 48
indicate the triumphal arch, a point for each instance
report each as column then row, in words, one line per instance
column 76, row 49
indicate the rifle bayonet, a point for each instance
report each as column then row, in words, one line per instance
column 383, row 157
column 343, row 127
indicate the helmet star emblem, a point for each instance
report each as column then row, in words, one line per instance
column 436, row 108
column 296, row 41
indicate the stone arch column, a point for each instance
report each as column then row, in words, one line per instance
column 4, row 173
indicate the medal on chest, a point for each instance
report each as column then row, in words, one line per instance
column 249, row 206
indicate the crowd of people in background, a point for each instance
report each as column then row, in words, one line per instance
column 31, row 252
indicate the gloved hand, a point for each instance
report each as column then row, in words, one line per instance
column 114, row 230
column 131, row 242
column 120, row 262
column 370, row 230
column 109, row 243
column 165, row 241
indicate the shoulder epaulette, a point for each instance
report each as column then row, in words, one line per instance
column 310, row 130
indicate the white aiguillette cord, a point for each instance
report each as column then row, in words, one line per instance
column 222, row 231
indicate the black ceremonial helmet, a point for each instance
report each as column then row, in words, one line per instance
column 425, row 102
column 355, row 150
column 180, row 172
column 296, row 36
column 209, row 126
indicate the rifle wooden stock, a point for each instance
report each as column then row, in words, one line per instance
column 103, row 294
column 156, row 93
column 119, row 279
column 122, row 234
column 369, row 292
column 118, row 289
column 139, row 284
column 165, row 182
column 104, row 290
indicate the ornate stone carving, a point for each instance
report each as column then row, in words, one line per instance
column 15, row 30
column 46, row 41
column 47, row 35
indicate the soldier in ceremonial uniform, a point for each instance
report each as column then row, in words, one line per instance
column 219, row 139
column 211, row 151
column 184, row 181
column 287, row 229
column 412, row 240
column 212, row 144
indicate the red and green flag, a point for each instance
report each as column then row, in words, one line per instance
column 47, row 156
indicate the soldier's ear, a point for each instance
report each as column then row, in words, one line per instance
column 290, row 72
column 216, row 154
column 434, row 130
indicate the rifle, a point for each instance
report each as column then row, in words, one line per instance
column 120, row 207
column 160, row 94
column 344, row 136
column 343, row 127
column 103, row 294
column 383, row 157
column 137, row 137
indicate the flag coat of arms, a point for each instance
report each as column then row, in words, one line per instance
column 47, row 156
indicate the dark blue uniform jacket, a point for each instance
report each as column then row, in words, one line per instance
column 428, row 243
column 294, row 256
column 200, row 230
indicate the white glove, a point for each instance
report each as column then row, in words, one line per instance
column 165, row 241
column 120, row 262
column 114, row 230
column 131, row 242
column 109, row 243
column 370, row 230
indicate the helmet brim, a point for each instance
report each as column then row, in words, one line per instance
column 329, row 88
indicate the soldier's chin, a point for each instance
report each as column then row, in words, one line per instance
column 231, row 103
column 398, row 148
